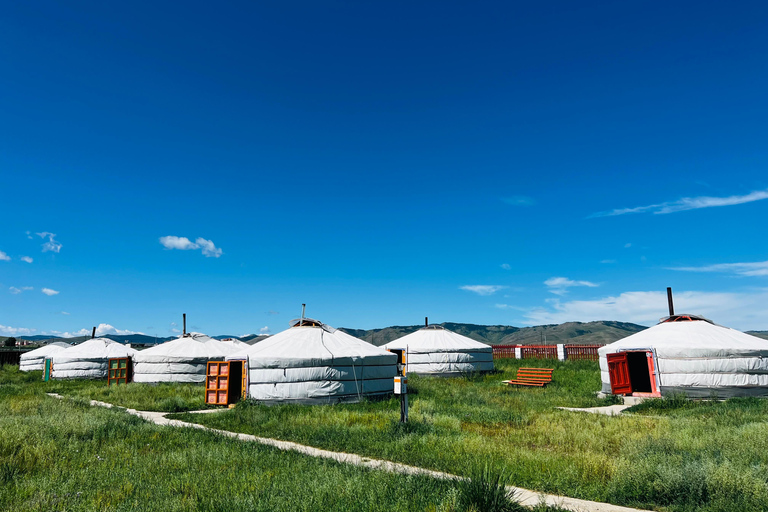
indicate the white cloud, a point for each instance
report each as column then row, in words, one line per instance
column 51, row 245
column 687, row 203
column 177, row 242
column 49, row 292
column 6, row 330
column 745, row 311
column 607, row 261
column 64, row 313
column 519, row 200
column 209, row 250
column 27, row 259
column 560, row 285
column 264, row 330
column 101, row 330
column 4, row 257
column 185, row 244
column 506, row 266
column 29, row 235
column 757, row 268
column 482, row 289
column 16, row 291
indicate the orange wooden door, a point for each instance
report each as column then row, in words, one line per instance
column 618, row 371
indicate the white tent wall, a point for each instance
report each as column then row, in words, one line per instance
column 437, row 351
column 35, row 359
column 316, row 364
column 88, row 360
column 699, row 359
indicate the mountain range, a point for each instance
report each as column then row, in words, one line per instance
column 578, row 333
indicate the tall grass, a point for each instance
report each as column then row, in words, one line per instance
column 676, row 454
column 65, row 455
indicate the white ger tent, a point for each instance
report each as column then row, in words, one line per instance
column 88, row 360
column 314, row 363
column 34, row 359
column 181, row 360
column 686, row 354
column 437, row 351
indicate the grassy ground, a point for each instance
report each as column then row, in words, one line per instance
column 674, row 456
column 144, row 397
column 667, row 454
column 66, row 455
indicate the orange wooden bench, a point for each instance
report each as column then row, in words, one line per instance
column 531, row 377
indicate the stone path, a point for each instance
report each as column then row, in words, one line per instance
column 524, row 496
column 608, row 410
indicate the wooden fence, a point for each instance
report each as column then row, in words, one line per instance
column 588, row 352
column 10, row 356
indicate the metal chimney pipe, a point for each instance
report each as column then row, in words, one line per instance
column 303, row 308
column 669, row 300
column 426, row 321
column 93, row 333
column 185, row 324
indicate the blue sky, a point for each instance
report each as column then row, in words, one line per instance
column 493, row 163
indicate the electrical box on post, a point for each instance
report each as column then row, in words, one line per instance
column 401, row 385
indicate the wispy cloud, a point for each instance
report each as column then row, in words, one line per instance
column 506, row 266
column 49, row 291
column 264, row 330
column 519, row 200
column 482, row 289
column 7, row 330
column 4, row 257
column 757, row 268
column 183, row 243
column 52, row 244
column 272, row 312
column 16, row 291
column 63, row 313
column 560, row 285
column 27, row 259
column 607, row 261
column 687, row 203
column 29, row 235
column 748, row 310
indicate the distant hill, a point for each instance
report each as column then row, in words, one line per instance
column 759, row 334
column 579, row 333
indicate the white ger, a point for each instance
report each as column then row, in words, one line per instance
column 314, row 363
column 35, row 359
column 183, row 359
column 435, row 350
column 686, row 354
column 88, row 360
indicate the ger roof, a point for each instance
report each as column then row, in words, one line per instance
column 311, row 345
column 694, row 338
column 434, row 338
column 46, row 350
column 96, row 348
column 193, row 345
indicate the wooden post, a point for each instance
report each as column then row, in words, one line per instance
column 669, row 300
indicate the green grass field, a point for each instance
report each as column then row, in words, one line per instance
column 670, row 454
column 65, row 455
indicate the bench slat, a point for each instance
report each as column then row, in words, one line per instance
column 531, row 377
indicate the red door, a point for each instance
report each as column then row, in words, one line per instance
column 618, row 371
